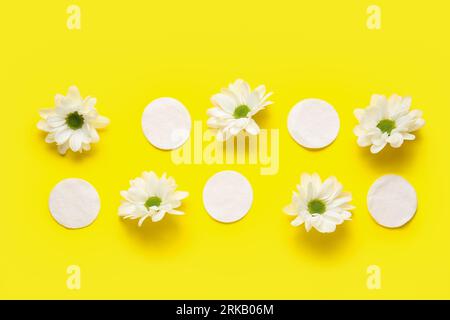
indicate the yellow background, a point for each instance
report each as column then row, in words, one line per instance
column 128, row 53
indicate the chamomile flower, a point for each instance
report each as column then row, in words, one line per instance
column 72, row 123
column 387, row 121
column 234, row 108
column 319, row 205
column 151, row 197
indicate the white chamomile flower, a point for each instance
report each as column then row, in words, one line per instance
column 319, row 205
column 387, row 121
column 234, row 108
column 73, row 123
column 151, row 196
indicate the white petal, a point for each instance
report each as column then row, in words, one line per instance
column 214, row 123
column 359, row 130
column 100, row 122
column 378, row 100
column 346, row 215
column 238, row 125
column 43, row 125
column 176, row 212
column 344, row 198
column 56, row 121
column 291, row 209
column 325, row 226
column 93, row 134
column 395, row 140
column 138, row 183
column 316, row 184
column 241, row 90
column 359, row 114
column 45, row 113
column 347, row 206
column 135, row 195
column 75, row 141
column 89, row 102
column 260, row 91
column 394, row 100
column 328, row 188
column 151, row 182
column 85, row 135
column 377, row 148
column 58, row 99
column 142, row 219
column 364, row 141
column 85, row 146
column 310, row 193
column 218, row 123
column 63, row 136
column 50, row 138
column 401, row 107
column 333, row 217
column 337, row 191
column 308, row 225
column 73, row 93
column 158, row 216
column 234, row 130
column 218, row 113
column 254, row 101
column 222, row 135
column 417, row 124
column 406, row 102
column 126, row 209
column 224, row 102
column 305, row 179
column 180, row 195
column 380, row 138
column 408, row 136
column 62, row 149
column 252, row 128
column 297, row 221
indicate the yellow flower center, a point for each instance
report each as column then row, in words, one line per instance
column 153, row 202
column 241, row 111
column 316, row 206
column 386, row 125
column 74, row 120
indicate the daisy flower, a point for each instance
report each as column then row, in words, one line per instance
column 234, row 108
column 387, row 121
column 73, row 123
column 151, row 196
column 319, row 205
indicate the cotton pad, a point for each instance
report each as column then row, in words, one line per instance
column 74, row 203
column 392, row 201
column 227, row 196
column 313, row 123
column 166, row 123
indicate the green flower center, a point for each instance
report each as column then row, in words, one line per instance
column 386, row 125
column 241, row 111
column 74, row 120
column 316, row 206
column 153, row 202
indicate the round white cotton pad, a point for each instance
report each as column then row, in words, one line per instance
column 227, row 196
column 392, row 201
column 166, row 123
column 313, row 123
column 74, row 203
